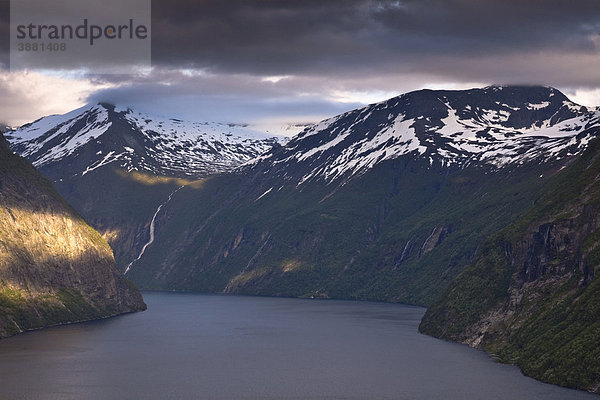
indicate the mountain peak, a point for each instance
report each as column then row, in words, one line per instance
column 500, row 94
column 102, row 134
column 492, row 126
column 105, row 105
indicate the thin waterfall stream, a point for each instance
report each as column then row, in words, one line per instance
column 152, row 229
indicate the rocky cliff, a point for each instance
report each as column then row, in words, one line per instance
column 533, row 297
column 54, row 268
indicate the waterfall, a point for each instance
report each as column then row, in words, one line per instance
column 151, row 230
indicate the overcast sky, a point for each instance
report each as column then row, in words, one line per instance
column 303, row 60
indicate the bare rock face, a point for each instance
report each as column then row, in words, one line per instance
column 54, row 268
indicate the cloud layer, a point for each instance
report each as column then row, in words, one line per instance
column 302, row 59
column 455, row 39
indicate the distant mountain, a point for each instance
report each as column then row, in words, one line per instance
column 54, row 268
column 100, row 135
column 388, row 202
column 492, row 127
column 117, row 166
column 481, row 204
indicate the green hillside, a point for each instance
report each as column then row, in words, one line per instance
column 400, row 232
column 533, row 296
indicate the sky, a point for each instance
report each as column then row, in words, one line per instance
column 299, row 61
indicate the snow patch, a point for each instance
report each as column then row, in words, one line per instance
column 264, row 194
column 538, row 106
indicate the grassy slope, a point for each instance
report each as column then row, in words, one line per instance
column 333, row 241
column 554, row 331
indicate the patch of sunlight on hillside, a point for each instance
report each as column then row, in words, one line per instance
column 148, row 179
column 42, row 237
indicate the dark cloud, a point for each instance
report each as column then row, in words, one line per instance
column 446, row 38
column 357, row 36
column 210, row 56
column 4, row 33
column 224, row 98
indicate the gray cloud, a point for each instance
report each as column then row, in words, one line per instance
column 446, row 38
column 358, row 36
column 224, row 98
column 4, row 33
column 332, row 49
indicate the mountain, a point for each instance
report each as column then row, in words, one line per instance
column 388, row 202
column 117, row 166
column 492, row 127
column 96, row 136
column 533, row 296
column 54, row 268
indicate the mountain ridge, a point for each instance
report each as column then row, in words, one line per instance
column 508, row 125
column 102, row 134
column 532, row 296
column 104, row 159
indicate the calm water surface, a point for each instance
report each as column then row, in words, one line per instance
column 224, row 347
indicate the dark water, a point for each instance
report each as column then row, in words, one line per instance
column 218, row 347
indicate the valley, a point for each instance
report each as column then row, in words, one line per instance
column 478, row 204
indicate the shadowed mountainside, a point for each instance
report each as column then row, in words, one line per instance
column 533, row 295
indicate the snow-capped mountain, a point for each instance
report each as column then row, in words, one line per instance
column 387, row 202
column 495, row 126
column 92, row 155
column 102, row 135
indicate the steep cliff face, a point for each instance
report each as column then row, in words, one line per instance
column 54, row 268
column 533, row 297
